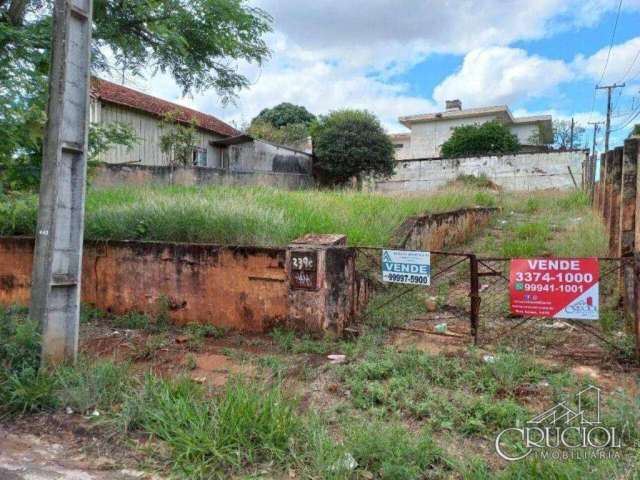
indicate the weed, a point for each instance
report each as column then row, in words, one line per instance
column 214, row 437
column 233, row 215
column 190, row 362
column 151, row 347
column 88, row 385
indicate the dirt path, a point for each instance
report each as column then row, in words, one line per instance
column 31, row 457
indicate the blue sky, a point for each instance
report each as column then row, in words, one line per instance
column 406, row 57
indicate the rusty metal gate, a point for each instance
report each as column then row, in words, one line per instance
column 471, row 294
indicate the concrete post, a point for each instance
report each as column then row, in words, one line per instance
column 614, row 201
column 606, row 196
column 322, row 283
column 602, row 184
column 628, row 219
column 55, row 297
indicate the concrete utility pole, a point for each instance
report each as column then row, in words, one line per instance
column 596, row 127
column 571, row 135
column 57, row 262
column 607, row 130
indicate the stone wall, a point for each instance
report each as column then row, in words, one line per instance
column 435, row 231
column 115, row 175
column 527, row 171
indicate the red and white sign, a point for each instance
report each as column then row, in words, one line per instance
column 555, row 287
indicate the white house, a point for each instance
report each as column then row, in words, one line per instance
column 429, row 131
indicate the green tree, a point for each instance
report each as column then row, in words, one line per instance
column 351, row 143
column 293, row 134
column 22, row 171
column 635, row 131
column 195, row 41
column 488, row 138
column 177, row 141
column 285, row 114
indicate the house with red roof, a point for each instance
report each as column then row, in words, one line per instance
column 219, row 145
column 111, row 103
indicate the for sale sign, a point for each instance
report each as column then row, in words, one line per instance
column 556, row 288
column 405, row 266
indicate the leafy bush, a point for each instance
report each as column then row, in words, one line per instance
column 351, row 143
column 488, row 138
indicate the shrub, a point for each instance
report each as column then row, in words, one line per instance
column 351, row 143
column 488, row 138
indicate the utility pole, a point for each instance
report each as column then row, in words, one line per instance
column 57, row 262
column 571, row 135
column 596, row 127
column 607, row 130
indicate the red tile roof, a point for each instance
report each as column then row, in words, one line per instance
column 120, row 95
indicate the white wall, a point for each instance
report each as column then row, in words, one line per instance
column 427, row 138
column 530, row 171
column 525, row 132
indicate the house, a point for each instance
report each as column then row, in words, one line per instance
column 111, row 103
column 219, row 145
column 429, row 131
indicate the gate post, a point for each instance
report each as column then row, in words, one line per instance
column 474, row 295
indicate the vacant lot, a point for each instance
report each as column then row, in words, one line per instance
column 200, row 402
column 234, row 216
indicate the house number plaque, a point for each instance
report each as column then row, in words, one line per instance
column 304, row 270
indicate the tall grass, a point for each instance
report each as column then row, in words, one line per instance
column 232, row 215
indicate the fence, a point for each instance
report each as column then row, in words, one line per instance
column 611, row 182
column 471, row 295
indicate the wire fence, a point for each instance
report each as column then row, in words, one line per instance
column 471, row 295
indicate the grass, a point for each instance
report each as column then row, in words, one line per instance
column 404, row 416
column 233, row 215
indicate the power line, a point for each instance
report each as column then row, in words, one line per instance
column 607, row 130
column 613, row 36
column 606, row 64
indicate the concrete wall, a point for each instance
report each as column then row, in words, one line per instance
column 243, row 288
column 147, row 150
column 427, row 138
column 530, row 171
column 258, row 156
column 435, row 231
column 115, row 175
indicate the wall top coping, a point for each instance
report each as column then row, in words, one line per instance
column 323, row 239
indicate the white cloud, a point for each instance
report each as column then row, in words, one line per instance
column 501, row 75
column 621, row 64
column 330, row 54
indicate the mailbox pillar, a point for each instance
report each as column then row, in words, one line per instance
column 321, row 273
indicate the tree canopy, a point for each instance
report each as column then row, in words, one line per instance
column 488, row 138
column 351, row 143
column 195, row 41
column 563, row 138
column 285, row 114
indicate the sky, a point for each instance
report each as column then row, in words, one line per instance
column 406, row 57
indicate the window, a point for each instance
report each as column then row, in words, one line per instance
column 398, row 145
column 200, row 157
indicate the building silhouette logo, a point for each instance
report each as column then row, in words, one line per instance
column 563, row 432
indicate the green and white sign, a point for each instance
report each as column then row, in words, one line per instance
column 405, row 266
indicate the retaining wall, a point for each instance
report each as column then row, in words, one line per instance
column 435, row 231
column 241, row 288
column 114, row 175
column 526, row 171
